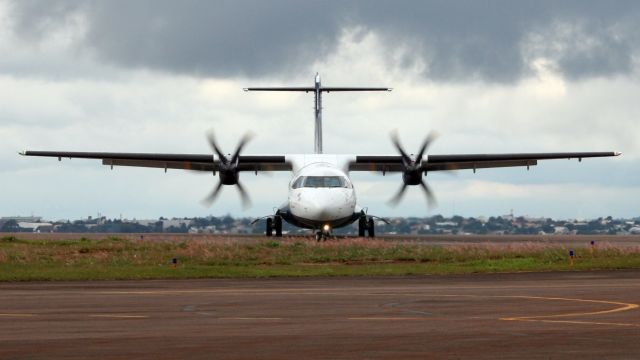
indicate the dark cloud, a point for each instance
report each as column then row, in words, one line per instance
column 485, row 40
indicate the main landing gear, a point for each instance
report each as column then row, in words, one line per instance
column 366, row 224
column 274, row 223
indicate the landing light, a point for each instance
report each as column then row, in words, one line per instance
column 326, row 227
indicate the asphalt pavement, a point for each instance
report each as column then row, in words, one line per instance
column 525, row 315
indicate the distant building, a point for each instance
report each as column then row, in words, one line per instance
column 36, row 227
column 211, row 229
column 27, row 219
column 176, row 223
column 560, row 230
column 166, row 223
column 447, row 224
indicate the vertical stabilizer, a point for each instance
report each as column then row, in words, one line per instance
column 317, row 143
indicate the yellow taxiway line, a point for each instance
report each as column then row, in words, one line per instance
column 551, row 318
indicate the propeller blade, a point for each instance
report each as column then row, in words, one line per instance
column 245, row 139
column 208, row 201
column 246, row 201
column 398, row 196
column 214, row 146
column 431, row 198
column 425, row 145
column 396, row 142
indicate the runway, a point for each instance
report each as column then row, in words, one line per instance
column 525, row 315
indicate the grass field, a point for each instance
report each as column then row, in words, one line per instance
column 23, row 258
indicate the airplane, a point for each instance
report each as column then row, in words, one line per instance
column 321, row 195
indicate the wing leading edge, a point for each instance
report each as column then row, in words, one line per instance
column 197, row 162
column 393, row 163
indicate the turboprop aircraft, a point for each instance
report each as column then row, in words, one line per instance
column 321, row 195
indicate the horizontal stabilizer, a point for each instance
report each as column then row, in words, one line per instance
column 322, row 89
column 329, row 89
column 288, row 88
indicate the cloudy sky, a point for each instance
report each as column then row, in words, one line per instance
column 154, row 76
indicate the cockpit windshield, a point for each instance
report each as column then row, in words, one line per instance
column 320, row 182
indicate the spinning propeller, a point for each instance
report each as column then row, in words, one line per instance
column 228, row 170
column 413, row 168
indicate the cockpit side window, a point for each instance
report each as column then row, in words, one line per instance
column 298, row 183
column 346, row 182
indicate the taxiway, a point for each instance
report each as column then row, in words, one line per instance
column 526, row 315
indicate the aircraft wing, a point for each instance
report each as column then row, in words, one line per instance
column 198, row 162
column 393, row 163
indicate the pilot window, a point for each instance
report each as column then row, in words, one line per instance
column 320, row 182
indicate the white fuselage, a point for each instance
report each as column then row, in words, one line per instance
column 320, row 192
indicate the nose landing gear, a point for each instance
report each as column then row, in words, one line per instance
column 322, row 236
column 324, row 233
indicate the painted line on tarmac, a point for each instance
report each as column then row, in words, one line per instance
column 16, row 315
column 411, row 290
column 118, row 316
column 576, row 322
column 551, row 318
column 250, row 318
column 385, row 318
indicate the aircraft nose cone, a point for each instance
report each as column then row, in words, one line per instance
column 325, row 205
column 322, row 209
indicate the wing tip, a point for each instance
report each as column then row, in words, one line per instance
column 617, row 153
column 22, row 153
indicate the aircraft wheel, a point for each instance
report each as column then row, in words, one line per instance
column 278, row 225
column 362, row 225
column 269, row 231
column 318, row 236
column 371, row 228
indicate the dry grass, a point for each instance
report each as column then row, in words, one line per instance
column 232, row 256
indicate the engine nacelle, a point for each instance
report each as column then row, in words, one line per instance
column 229, row 176
column 412, row 177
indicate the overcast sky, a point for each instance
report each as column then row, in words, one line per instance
column 154, row 76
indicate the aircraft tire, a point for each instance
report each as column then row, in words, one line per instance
column 269, row 231
column 278, row 225
column 371, row 228
column 362, row 225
